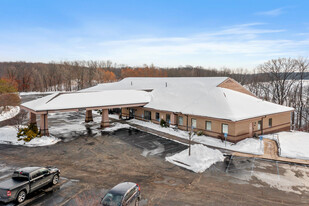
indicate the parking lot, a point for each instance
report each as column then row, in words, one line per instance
column 91, row 165
column 91, row 162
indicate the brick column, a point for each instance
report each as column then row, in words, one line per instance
column 88, row 116
column 173, row 119
column 105, row 118
column 44, row 125
column 32, row 118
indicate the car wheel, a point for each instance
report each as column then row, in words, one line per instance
column 137, row 202
column 55, row 179
column 21, row 196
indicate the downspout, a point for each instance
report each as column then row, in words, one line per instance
column 262, row 123
column 187, row 122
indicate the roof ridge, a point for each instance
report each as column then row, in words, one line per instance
column 227, row 103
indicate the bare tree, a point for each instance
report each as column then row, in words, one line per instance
column 281, row 75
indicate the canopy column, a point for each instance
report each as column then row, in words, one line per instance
column 173, row 119
column 89, row 117
column 44, row 125
column 105, row 118
column 32, row 118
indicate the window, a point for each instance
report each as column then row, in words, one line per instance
column 36, row 174
column 44, row 171
column 180, row 120
column 193, row 123
column 157, row 116
column 147, row 115
column 168, row 118
column 208, row 125
column 270, row 122
column 129, row 194
column 225, row 128
column 260, row 125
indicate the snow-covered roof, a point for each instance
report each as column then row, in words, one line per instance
column 197, row 96
column 79, row 100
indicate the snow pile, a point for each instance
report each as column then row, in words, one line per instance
column 200, row 159
column 8, row 135
column 12, row 112
column 116, row 126
column 251, row 146
column 293, row 144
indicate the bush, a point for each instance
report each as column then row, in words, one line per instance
column 28, row 133
column 199, row 133
column 163, row 123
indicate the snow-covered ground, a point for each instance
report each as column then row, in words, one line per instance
column 12, row 112
column 116, row 126
column 252, row 146
column 200, row 159
column 293, row 144
column 8, row 135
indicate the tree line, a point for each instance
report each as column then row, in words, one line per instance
column 283, row 81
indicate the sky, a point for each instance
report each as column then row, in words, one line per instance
column 166, row 33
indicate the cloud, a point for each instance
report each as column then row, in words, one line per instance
column 233, row 46
column 274, row 12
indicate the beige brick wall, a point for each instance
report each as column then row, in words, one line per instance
column 237, row 130
column 233, row 85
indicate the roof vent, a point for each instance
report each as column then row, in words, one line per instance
column 131, row 83
column 165, row 84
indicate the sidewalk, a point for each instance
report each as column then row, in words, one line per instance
column 270, row 146
column 169, row 136
column 271, row 153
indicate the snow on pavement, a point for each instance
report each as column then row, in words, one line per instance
column 8, row 135
column 250, row 145
column 293, row 144
column 12, row 112
column 116, row 126
column 201, row 158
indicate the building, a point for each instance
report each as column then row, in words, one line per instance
column 216, row 106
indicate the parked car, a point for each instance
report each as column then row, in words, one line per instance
column 27, row 180
column 123, row 194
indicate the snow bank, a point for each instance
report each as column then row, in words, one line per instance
column 8, row 136
column 251, row 146
column 116, row 126
column 201, row 158
column 293, row 144
column 12, row 112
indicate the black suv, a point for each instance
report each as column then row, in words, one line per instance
column 123, row 194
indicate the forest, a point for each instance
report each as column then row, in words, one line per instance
column 283, row 81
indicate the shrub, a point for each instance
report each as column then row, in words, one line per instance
column 199, row 133
column 28, row 133
column 163, row 123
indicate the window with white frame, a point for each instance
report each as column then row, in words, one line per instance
column 193, row 123
column 225, row 128
column 260, row 125
column 180, row 120
column 208, row 125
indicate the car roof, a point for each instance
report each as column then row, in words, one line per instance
column 122, row 188
column 28, row 169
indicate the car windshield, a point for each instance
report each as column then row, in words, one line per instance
column 111, row 199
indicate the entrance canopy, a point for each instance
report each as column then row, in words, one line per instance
column 75, row 101
column 87, row 100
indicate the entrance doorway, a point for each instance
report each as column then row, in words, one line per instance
column 131, row 113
